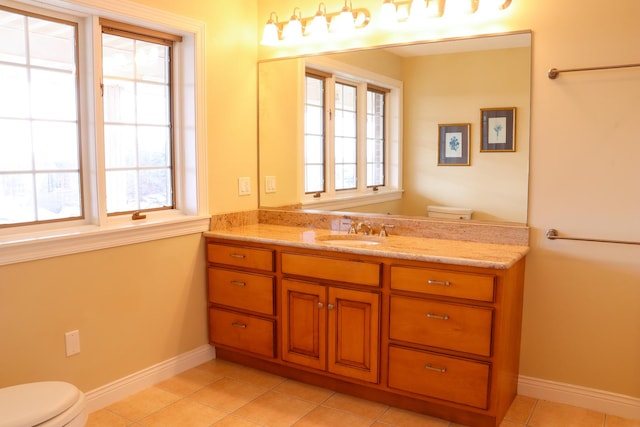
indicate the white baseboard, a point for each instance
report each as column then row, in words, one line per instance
column 582, row 397
column 110, row 393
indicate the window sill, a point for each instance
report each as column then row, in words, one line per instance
column 29, row 247
column 352, row 201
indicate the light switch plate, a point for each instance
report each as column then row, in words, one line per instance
column 270, row 184
column 244, row 186
column 72, row 342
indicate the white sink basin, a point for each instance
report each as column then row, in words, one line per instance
column 350, row 240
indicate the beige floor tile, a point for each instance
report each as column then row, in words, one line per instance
column 221, row 367
column 275, row 409
column 184, row 412
column 304, row 391
column 227, row 394
column 143, row 403
column 234, row 421
column 613, row 421
column 256, row 377
column 189, row 381
column 508, row 423
column 520, row 409
column 361, row 407
column 552, row 414
column 401, row 418
column 106, row 418
column 322, row 416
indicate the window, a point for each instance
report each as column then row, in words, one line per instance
column 98, row 123
column 346, row 137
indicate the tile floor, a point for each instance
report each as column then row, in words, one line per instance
column 223, row 394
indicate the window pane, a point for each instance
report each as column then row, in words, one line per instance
column 120, row 146
column 155, row 188
column 313, row 178
column 38, row 121
column 12, row 40
column 345, row 177
column 15, row 146
column 314, row 137
column 17, row 198
column 138, row 140
column 123, row 191
column 14, row 86
column 57, row 195
column 375, row 138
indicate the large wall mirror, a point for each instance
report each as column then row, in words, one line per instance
column 443, row 82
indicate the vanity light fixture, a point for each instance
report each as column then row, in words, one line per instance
column 318, row 26
column 270, row 31
column 388, row 14
column 293, row 28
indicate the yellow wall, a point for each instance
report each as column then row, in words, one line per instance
column 139, row 305
column 581, row 316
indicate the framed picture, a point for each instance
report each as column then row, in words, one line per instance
column 498, row 129
column 453, row 144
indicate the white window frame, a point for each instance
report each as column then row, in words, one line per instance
column 363, row 195
column 97, row 230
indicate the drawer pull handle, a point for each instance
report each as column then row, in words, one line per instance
column 437, row 316
column 239, row 325
column 237, row 256
column 238, row 283
column 433, row 368
column 439, row 282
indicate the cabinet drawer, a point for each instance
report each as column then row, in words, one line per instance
column 441, row 282
column 241, row 290
column 341, row 270
column 430, row 374
column 239, row 256
column 243, row 332
column 451, row 326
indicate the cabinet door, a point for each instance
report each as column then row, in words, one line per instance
column 304, row 323
column 353, row 333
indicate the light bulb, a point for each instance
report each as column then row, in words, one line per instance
column 270, row 32
column 388, row 16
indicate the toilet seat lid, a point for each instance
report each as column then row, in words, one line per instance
column 34, row 403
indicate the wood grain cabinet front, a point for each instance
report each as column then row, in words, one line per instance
column 241, row 297
column 432, row 337
column 330, row 328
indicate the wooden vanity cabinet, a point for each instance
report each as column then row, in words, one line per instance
column 435, row 338
column 241, row 298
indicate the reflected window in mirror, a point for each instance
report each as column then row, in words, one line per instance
column 345, row 136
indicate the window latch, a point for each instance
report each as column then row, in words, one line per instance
column 137, row 215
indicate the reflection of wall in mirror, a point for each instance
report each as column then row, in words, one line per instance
column 452, row 88
column 446, row 88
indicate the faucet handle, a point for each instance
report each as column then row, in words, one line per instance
column 352, row 228
column 383, row 229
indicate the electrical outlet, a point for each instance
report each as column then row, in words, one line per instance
column 244, row 186
column 270, row 184
column 72, row 342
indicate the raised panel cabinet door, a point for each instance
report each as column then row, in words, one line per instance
column 353, row 333
column 304, row 323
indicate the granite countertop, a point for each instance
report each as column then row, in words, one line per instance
column 486, row 255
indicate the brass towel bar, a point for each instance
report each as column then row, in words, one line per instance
column 553, row 72
column 552, row 234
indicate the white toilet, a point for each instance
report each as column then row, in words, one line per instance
column 42, row 404
column 448, row 212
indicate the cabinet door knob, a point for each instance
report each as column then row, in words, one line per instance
column 320, row 305
column 330, row 307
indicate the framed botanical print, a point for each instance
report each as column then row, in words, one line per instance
column 497, row 129
column 453, row 144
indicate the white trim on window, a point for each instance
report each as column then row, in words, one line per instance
column 97, row 231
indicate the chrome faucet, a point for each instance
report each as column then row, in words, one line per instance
column 365, row 227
